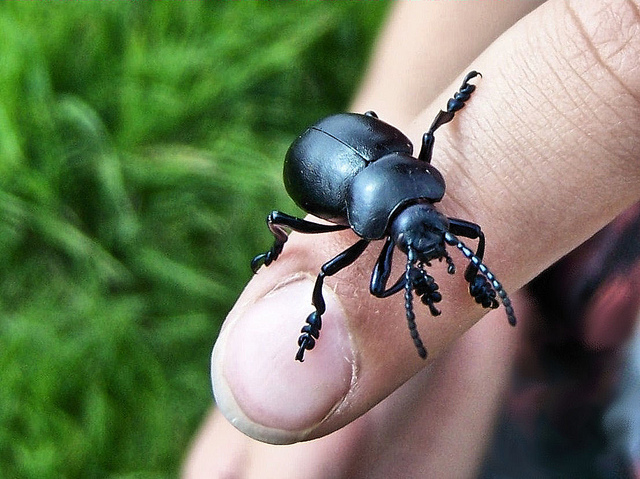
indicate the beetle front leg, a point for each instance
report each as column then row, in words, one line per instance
column 382, row 271
column 277, row 222
column 479, row 287
column 311, row 330
column 423, row 284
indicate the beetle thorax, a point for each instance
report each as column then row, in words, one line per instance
column 420, row 227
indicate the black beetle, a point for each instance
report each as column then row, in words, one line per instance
column 358, row 172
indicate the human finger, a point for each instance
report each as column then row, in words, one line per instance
column 422, row 49
column 542, row 157
column 448, row 407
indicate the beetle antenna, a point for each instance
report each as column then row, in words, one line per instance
column 497, row 286
column 408, row 305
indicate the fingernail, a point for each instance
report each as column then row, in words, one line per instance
column 257, row 383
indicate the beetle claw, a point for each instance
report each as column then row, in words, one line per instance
column 483, row 292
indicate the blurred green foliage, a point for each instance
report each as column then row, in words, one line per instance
column 141, row 146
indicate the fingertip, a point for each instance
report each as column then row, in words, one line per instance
column 258, row 385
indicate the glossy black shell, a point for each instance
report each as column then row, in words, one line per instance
column 322, row 162
column 387, row 185
column 356, row 170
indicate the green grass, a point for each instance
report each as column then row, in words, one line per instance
column 141, row 147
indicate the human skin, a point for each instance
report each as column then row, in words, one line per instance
column 544, row 155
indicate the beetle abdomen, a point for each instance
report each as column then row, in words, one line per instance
column 322, row 162
column 318, row 183
column 370, row 137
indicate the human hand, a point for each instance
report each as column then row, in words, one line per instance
column 543, row 156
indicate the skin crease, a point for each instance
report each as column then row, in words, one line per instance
column 542, row 157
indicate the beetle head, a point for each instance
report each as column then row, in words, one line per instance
column 421, row 228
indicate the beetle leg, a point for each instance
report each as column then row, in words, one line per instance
column 311, row 330
column 454, row 104
column 397, row 287
column 423, row 284
column 494, row 285
column 463, row 94
column 482, row 291
column 479, row 287
column 426, row 287
column 381, row 272
column 277, row 222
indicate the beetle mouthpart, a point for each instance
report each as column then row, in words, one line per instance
column 451, row 268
